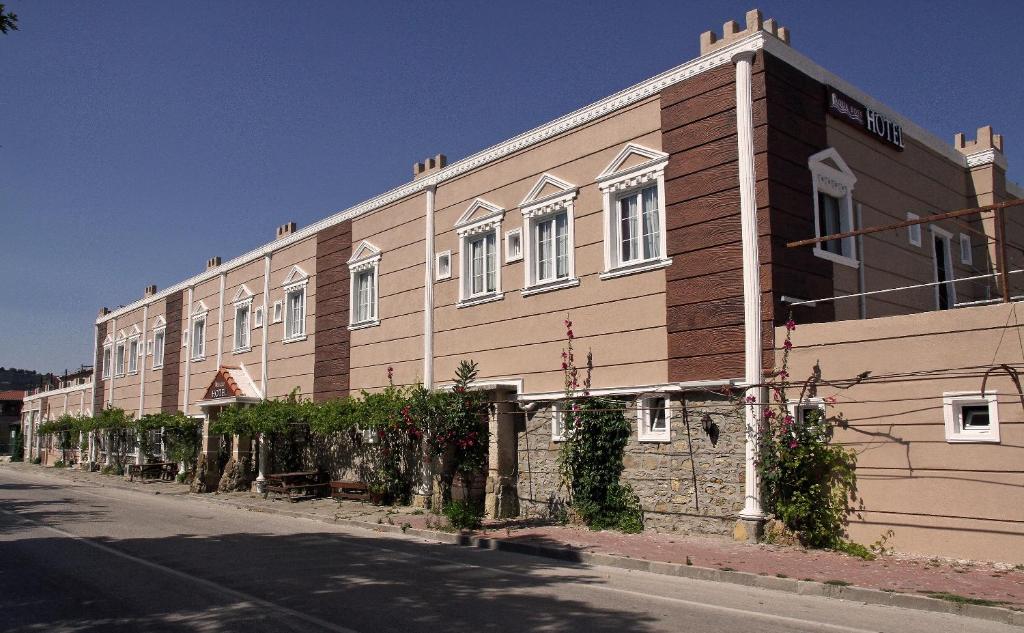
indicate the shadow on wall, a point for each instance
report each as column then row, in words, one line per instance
column 363, row 583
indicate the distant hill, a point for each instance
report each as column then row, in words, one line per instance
column 21, row 378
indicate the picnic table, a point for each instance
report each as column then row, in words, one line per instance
column 354, row 490
column 306, row 483
column 165, row 471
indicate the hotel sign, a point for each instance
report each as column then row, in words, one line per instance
column 859, row 115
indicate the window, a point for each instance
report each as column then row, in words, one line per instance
column 257, row 317
column 478, row 229
column 557, row 423
column 159, row 337
column 942, row 259
column 133, row 355
column 833, row 206
column 966, row 253
column 242, row 311
column 914, row 231
column 513, row 245
column 278, row 311
column 106, row 361
column 295, row 314
column 548, row 219
column 119, row 359
column 443, row 269
column 364, row 294
column 971, row 416
column 199, row 337
column 634, row 211
column 809, row 411
column 652, row 416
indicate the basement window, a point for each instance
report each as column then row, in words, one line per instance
column 652, row 416
column 971, row 416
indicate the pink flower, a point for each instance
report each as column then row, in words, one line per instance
column 788, row 420
column 783, row 374
column 565, row 366
column 569, row 334
column 788, row 344
column 750, row 399
column 790, row 325
column 830, row 400
column 792, row 443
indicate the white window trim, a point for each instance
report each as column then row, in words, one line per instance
column 951, row 284
column 509, row 255
column 615, row 183
column 914, row 231
column 440, row 275
column 966, row 250
column 537, row 209
column 952, row 401
column 122, row 343
column 469, row 228
column 557, row 424
column 643, row 420
column 278, row 312
column 807, row 403
column 838, row 183
column 236, row 348
column 159, row 362
column 257, row 317
column 301, row 335
column 132, row 358
column 200, row 316
column 365, row 257
column 108, row 361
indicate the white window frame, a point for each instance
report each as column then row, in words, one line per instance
column 966, row 250
column 444, row 271
column 365, row 260
column 943, row 234
column 796, row 409
column 617, row 182
column 513, row 255
column 158, row 359
column 294, row 284
column 245, row 344
column 278, row 311
column 257, row 318
column 120, row 357
column 914, row 231
column 133, row 357
column 952, row 406
column 197, row 353
column 482, row 218
column 838, row 183
column 643, row 420
column 557, row 422
column 536, row 210
column 108, row 360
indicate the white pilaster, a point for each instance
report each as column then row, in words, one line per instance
column 188, row 351
column 753, row 373
column 142, row 380
column 428, row 296
column 220, row 321
column 266, row 326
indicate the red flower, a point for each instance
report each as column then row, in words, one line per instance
column 790, row 325
column 569, row 334
column 750, row 399
column 565, row 366
column 788, row 344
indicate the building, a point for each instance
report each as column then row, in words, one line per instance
column 70, row 394
column 658, row 219
column 10, row 419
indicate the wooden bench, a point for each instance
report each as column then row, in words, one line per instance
column 354, row 490
column 296, row 485
column 165, row 471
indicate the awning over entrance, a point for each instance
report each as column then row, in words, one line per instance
column 231, row 385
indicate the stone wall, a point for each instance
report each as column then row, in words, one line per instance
column 661, row 473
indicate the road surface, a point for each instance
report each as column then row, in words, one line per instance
column 80, row 557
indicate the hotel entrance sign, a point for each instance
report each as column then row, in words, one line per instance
column 869, row 121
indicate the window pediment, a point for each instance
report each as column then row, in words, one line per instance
column 831, row 171
column 549, row 194
column 633, row 166
column 108, row 341
column 200, row 309
column 295, row 276
column 159, row 322
column 479, row 217
column 135, row 331
column 242, row 294
column 364, row 256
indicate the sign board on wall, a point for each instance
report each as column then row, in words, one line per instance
column 871, row 122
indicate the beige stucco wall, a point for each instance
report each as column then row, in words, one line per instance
column 890, row 184
column 953, row 499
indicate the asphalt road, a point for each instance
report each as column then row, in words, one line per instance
column 88, row 558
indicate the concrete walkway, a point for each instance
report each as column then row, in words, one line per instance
column 905, row 580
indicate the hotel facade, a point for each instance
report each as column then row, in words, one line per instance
column 657, row 220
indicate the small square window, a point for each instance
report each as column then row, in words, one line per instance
column 278, row 311
column 514, row 245
column 966, row 252
column 557, row 423
column 914, row 230
column 653, row 421
column 971, row 417
column 443, row 269
column 257, row 317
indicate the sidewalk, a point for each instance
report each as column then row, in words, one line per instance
column 906, row 580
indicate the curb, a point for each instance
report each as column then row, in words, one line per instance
column 789, row 585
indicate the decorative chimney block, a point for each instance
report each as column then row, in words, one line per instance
column 213, row 262
column 285, row 230
column 731, row 32
column 429, row 166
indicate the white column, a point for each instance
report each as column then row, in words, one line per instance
column 220, row 321
column 266, row 325
column 188, row 350
column 142, row 380
column 428, row 296
column 753, row 374
column 97, row 370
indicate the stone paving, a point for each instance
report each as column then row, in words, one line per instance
column 1000, row 583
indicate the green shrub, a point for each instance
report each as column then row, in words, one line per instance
column 37, row 460
column 463, row 515
column 18, row 448
column 59, row 463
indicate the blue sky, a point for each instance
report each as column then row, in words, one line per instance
column 141, row 138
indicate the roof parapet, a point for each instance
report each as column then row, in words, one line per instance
column 731, row 32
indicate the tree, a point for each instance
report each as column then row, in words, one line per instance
column 8, row 21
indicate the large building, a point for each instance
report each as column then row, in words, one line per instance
column 657, row 219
